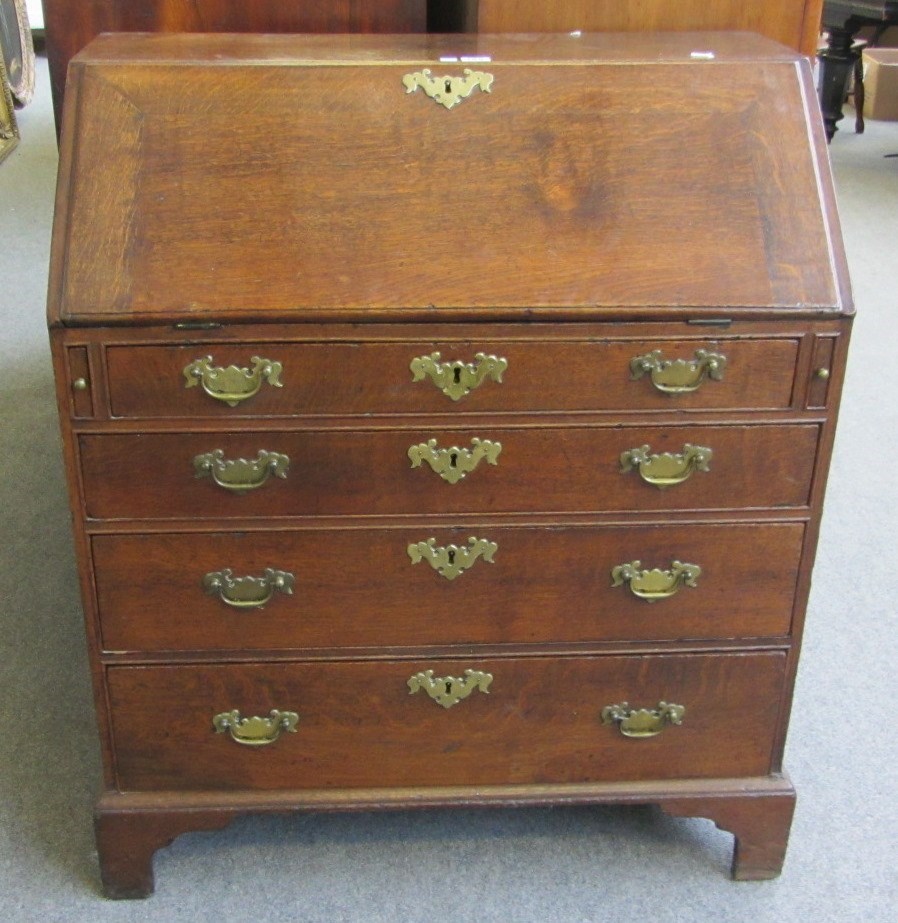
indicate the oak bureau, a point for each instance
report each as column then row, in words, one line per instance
column 447, row 421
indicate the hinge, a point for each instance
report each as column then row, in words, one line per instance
column 710, row 321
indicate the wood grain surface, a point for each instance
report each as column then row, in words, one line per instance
column 548, row 194
column 366, row 378
column 793, row 22
column 71, row 24
column 539, row 469
column 610, row 196
column 360, row 726
column 358, row 588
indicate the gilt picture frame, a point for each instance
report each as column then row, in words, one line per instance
column 9, row 131
column 18, row 50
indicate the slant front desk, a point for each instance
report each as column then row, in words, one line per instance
column 447, row 422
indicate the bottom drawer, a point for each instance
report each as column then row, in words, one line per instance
column 538, row 720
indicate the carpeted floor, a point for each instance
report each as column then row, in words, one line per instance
column 541, row 865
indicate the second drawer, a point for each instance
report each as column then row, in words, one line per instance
column 499, row 469
column 364, row 588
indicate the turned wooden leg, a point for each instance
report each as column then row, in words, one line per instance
column 760, row 822
column 836, row 63
column 859, row 96
column 127, row 840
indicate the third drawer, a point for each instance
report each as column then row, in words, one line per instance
column 393, row 587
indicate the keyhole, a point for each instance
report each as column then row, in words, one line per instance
column 457, row 375
column 448, row 687
column 453, row 460
column 451, row 556
column 448, row 85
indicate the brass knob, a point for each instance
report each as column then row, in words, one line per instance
column 822, row 374
column 79, row 384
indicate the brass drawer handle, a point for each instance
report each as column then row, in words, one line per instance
column 248, row 592
column 679, row 376
column 240, row 474
column 449, row 690
column 668, row 468
column 652, row 585
column 232, row 384
column 456, row 379
column 453, row 464
column 448, row 91
column 642, row 722
column 256, row 731
column 452, row 560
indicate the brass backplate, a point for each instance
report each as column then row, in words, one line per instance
column 679, row 376
column 652, row 585
column 642, row 722
column 232, row 384
column 454, row 463
column 248, row 592
column 452, row 560
column 240, row 474
column 449, row 690
column 666, row 468
column 457, row 378
column 448, row 91
column 255, row 731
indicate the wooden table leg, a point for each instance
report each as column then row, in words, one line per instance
column 837, row 61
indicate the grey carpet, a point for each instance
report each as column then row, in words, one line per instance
column 492, row 865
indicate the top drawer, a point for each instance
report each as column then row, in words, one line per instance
column 457, row 376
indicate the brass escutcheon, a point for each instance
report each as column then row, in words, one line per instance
column 240, row 474
column 668, row 468
column 679, row 376
column 449, row 690
column 642, row 722
column 256, row 731
column 652, row 585
column 248, row 592
column 448, row 91
column 456, row 379
column 452, row 560
column 453, row 464
column 232, row 384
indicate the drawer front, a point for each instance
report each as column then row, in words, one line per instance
column 548, row 469
column 364, row 378
column 358, row 724
column 360, row 588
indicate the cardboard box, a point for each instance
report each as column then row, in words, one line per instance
column 881, row 83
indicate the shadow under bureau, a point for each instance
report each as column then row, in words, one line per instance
column 446, row 421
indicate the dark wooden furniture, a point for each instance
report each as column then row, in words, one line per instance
column 795, row 23
column 842, row 20
column 71, row 24
column 396, row 491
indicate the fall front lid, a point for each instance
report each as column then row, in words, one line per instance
column 262, row 177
